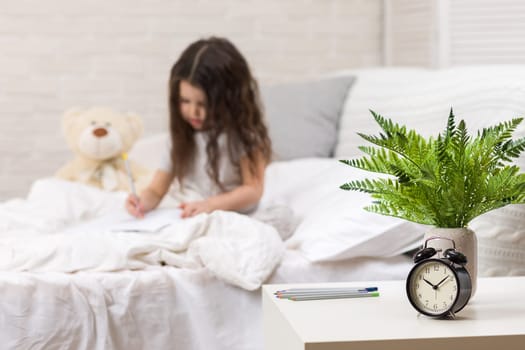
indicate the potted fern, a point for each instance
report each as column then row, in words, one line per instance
column 445, row 181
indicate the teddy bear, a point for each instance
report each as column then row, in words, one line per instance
column 100, row 139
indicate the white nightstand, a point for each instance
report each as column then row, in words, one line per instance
column 494, row 318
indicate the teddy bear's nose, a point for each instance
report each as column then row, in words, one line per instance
column 100, row 132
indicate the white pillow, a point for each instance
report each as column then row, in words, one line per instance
column 501, row 241
column 341, row 229
column 334, row 225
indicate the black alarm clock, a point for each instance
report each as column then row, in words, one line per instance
column 439, row 286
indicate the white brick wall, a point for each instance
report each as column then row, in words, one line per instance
column 58, row 53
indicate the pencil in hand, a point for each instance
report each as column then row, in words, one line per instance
column 136, row 200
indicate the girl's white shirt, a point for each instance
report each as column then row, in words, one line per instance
column 197, row 184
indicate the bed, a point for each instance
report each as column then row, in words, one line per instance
column 201, row 290
column 89, row 290
column 64, row 291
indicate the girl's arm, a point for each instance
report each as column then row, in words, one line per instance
column 151, row 196
column 245, row 196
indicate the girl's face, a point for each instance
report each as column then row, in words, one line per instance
column 192, row 104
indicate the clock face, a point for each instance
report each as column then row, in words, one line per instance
column 433, row 287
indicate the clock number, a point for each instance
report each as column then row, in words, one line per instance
column 427, row 270
column 436, row 267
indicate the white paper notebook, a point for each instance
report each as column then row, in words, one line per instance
column 154, row 221
column 121, row 221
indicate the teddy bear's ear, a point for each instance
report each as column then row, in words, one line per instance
column 69, row 117
column 135, row 123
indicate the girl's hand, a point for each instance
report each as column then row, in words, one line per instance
column 194, row 208
column 139, row 206
column 134, row 206
column 150, row 198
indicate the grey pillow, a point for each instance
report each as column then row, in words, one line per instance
column 302, row 118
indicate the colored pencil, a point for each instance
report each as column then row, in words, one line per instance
column 322, row 290
column 130, row 176
column 334, row 296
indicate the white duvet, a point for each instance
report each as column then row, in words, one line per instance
column 47, row 232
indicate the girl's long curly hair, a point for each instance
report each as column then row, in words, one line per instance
column 233, row 107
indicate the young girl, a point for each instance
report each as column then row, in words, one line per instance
column 219, row 143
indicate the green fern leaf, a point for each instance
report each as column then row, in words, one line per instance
column 445, row 181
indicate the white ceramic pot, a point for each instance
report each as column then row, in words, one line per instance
column 466, row 243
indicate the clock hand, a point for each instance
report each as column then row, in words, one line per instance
column 433, row 286
column 441, row 282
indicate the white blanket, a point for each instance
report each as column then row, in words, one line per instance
column 36, row 235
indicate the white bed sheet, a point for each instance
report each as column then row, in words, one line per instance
column 156, row 308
